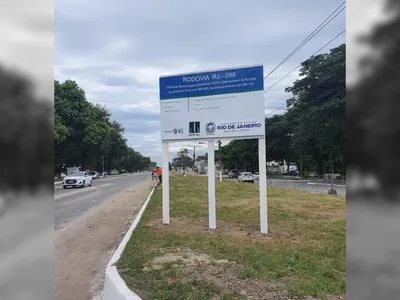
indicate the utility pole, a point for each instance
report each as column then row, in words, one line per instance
column 194, row 151
column 182, row 163
column 183, row 152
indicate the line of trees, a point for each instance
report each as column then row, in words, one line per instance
column 312, row 132
column 86, row 136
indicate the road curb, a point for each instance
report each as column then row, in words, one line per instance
column 115, row 287
column 326, row 184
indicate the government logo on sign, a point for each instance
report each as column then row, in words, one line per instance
column 178, row 131
column 210, row 128
column 194, row 128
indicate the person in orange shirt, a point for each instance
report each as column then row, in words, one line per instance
column 159, row 174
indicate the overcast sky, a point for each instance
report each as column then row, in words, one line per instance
column 27, row 41
column 116, row 50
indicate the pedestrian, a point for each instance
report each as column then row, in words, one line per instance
column 159, row 174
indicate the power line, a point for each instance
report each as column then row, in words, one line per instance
column 337, row 88
column 339, row 84
column 310, row 36
column 286, row 97
column 300, row 64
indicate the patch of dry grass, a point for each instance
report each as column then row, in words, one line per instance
column 303, row 255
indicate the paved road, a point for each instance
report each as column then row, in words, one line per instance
column 301, row 185
column 72, row 203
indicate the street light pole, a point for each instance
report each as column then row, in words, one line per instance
column 194, row 151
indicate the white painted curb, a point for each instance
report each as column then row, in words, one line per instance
column 326, row 184
column 115, row 287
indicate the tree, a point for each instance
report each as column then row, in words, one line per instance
column 313, row 130
column 241, row 154
column 317, row 110
column 202, row 157
column 278, row 138
column 182, row 161
column 86, row 136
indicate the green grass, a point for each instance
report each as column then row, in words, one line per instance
column 304, row 253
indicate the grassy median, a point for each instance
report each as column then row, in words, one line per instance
column 303, row 255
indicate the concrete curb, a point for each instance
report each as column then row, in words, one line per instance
column 115, row 287
column 326, row 184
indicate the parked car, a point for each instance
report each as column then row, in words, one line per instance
column 257, row 176
column 246, row 177
column 233, row 174
column 77, row 179
column 94, row 174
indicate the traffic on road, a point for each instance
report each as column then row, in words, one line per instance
column 71, row 203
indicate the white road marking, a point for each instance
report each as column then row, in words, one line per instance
column 77, row 191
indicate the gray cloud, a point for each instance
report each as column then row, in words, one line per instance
column 138, row 122
column 118, row 81
column 117, row 52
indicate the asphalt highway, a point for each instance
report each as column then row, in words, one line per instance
column 71, row 203
column 301, row 185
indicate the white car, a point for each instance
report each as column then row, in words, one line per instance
column 77, row 179
column 246, row 177
column 94, row 174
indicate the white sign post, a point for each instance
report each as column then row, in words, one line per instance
column 212, row 222
column 214, row 105
column 262, row 163
column 165, row 182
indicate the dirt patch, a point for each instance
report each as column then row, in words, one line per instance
column 188, row 226
column 84, row 247
column 182, row 257
column 189, row 267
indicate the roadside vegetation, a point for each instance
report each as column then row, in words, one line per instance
column 86, row 135
column 302, row 256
